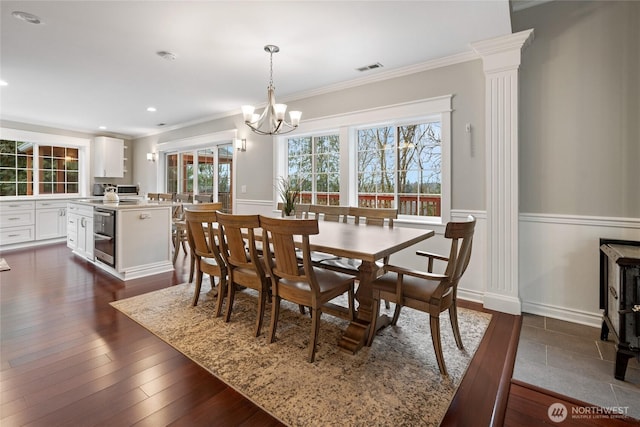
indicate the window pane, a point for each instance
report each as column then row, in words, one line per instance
column 206, row 171
column 7, row 160
column 172, row 173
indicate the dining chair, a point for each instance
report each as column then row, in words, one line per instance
column 427, row 291
column 207, row 253
column 381, row 217
column 182, row 224
column 203, row 198
column 330, row 212
column 183, row 198
column 301, row 282
column 153, row 196
column 246, row 268
column 165, row 197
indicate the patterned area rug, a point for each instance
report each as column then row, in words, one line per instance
column 394, row 382
column 3, row 265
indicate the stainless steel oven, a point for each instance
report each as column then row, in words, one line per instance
column 104, row 235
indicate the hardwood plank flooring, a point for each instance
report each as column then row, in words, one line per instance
column 68, row 358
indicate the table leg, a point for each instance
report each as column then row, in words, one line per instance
column 355, row 336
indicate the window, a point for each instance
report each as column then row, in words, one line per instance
column 200, row 166
column 397, row 157
column 54, row 171
column 314, row 163
column 400, row 167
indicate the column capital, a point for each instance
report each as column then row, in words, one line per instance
column 503, row 53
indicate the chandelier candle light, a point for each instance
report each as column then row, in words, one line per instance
column 271, row 121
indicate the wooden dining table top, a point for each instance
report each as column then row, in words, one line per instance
column 368, row 243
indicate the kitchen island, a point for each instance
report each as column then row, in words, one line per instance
column 128, row 239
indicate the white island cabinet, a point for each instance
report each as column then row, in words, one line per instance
column 142, row 241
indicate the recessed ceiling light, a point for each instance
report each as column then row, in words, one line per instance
column 169, row 56
column 3, row 83
column 27, row 17
column 102, row 127
column 151, row 109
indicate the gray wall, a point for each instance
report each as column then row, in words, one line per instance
column 255, row 166
column 579, row 109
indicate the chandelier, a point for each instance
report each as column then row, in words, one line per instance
column 271, row 121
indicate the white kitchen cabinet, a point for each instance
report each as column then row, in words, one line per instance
column 108, row 157
column 80, row 230
column 51, row 219
column 144, row 237
column 17, row 222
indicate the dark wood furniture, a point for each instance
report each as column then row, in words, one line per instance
column 620, row 299
column 238, row 248
column 427, row 291
column 207, row 254
column 304, row 284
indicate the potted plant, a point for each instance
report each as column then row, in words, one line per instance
column 289, row 194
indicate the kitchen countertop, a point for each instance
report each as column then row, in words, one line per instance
column 124, row 203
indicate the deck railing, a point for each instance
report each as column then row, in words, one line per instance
column 423, row 205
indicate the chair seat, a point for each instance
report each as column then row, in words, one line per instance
column 413, row 287
column 328, row 282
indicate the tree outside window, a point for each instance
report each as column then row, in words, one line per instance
column 314, row 164
column 400, row 167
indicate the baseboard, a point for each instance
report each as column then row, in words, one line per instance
column 563, row 313
column 470, row 295
column 502, row 303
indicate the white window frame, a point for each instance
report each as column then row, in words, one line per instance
column 192, row 145
column 346, row 125
column 37, row 138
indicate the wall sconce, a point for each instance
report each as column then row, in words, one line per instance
column 241, row 144
column 151, row 157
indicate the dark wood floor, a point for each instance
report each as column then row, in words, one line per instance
column 69, row 358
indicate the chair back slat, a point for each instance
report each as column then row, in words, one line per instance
column 203, row 198
column 280, row 233
column 374, row 216
column 184, row 198
column 198, row 225
column 233, row 229
column 330, row 212
column 461, row 235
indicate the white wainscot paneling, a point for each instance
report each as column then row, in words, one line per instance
column 559, row 263
column 251, row 207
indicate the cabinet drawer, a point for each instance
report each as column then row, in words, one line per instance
column 47, row 204
column 16, row 218
column 7, row 207
column 17, row 235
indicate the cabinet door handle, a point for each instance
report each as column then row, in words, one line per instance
column 14, row 235
column 14, row 218
column 145, row 216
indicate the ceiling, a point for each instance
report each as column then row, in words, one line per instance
column 95, row 63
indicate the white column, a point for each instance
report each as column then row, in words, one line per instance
column 501, row 59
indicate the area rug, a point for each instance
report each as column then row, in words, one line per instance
column 394, row 382
column 4, row 266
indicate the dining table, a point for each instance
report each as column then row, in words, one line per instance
column 367, row 243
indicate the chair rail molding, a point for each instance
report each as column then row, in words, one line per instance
column 501, row 59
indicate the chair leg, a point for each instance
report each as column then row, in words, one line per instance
column 387, row 305
column 261, row 304
column 191, row 269
column 437, row 346
column 275, row 312
column 315, row 327
column 222, row 292
column 196, row 292
column 176, row 248
column 231, row 297
column 375, row 312
column 302, row 309
column 453, row 316
column 396, row 314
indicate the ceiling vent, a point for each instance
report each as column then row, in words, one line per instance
column 27, row 17
column 370, row 67
column 169, row 56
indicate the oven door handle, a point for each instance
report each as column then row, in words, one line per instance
column 99, row 213
column 99, row 236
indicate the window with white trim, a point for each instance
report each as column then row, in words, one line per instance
column 397, row 156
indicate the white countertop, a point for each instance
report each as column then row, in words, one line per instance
column 134, row 203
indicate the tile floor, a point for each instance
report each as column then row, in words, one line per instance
column 570, row 359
